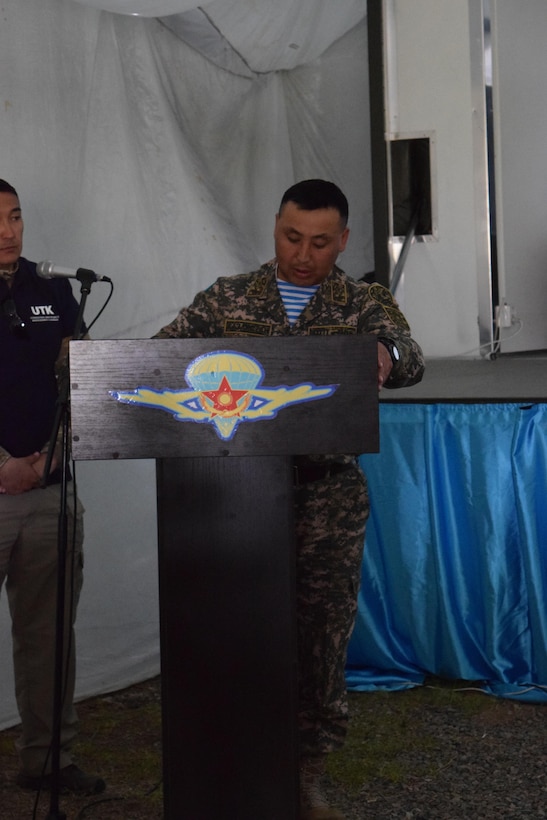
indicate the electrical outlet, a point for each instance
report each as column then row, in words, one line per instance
column 504, row 315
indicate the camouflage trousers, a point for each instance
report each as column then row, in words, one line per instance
column 330, row 523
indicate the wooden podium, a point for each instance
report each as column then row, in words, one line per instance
column 226, row 535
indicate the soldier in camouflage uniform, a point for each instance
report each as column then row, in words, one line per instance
column 330, row 491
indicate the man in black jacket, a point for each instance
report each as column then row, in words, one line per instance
column 37, row 319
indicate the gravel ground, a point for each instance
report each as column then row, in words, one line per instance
column 456, row 755
column 431, row 753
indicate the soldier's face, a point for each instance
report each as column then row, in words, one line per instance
column 307, row 243
column 11, row 231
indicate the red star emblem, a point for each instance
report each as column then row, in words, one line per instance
column 224, row 399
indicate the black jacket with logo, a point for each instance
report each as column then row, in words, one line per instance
column 28, row 385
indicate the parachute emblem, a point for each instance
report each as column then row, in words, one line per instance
column 225, row 389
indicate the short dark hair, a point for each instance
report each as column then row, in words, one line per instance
column 6, row 188
column 312, row 194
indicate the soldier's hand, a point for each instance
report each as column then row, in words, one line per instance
column 384, row 365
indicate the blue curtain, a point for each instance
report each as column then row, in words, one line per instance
column 454, row 574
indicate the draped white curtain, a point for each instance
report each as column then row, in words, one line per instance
column 151, row 142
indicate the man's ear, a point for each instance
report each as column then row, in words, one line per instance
column 344, row 239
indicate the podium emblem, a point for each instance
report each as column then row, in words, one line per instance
column 225, row 389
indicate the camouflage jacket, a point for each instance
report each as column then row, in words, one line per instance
column 250, row 305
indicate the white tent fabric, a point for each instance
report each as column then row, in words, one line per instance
column 154, row 149
column 270, row 36
column 144, row 8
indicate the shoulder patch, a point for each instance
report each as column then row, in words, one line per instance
column 382, row 296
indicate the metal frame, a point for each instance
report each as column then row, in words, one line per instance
column 480, row 50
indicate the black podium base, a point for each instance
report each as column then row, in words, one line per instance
column 228, row 638
column 226, row 541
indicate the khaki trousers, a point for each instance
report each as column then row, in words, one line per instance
column 29, row 557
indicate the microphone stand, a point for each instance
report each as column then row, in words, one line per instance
column 86, row 279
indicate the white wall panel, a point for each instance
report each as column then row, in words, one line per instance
column 435, row 83
column 519, row 34
column 431, row 89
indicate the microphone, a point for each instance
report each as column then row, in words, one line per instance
column 47, row 270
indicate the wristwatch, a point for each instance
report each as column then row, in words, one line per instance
column 392, row 349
